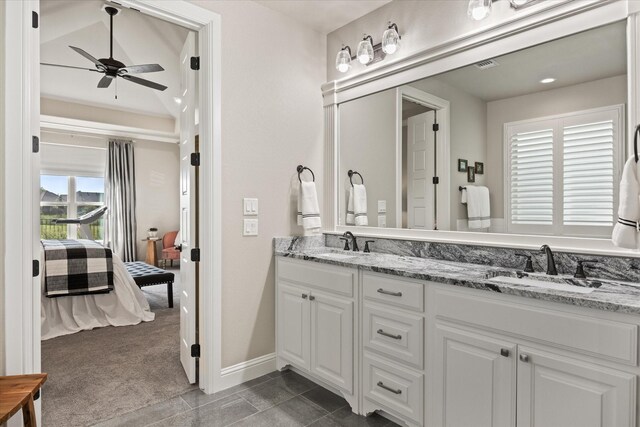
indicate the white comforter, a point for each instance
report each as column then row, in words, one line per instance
column 125, row 305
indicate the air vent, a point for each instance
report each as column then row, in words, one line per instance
column 489, row 63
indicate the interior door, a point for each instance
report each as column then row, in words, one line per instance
column 420, row 171
column 188, row 194
column 558, row 391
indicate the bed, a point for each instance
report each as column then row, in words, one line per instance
column 122, row 306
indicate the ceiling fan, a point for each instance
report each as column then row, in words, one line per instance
column 112, row 68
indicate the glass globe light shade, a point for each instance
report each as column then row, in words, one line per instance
column 479, row 9
column 390, row 41
column 343, row 60
column 365, row 51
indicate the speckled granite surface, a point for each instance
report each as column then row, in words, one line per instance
column 617, row 296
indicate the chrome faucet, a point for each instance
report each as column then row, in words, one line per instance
column 349, row 235
column 551, row 264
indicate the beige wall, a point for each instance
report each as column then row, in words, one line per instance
column 54, row 107
column 368, row 145
column 272, row 120
column 467, row 117
column 598, row 93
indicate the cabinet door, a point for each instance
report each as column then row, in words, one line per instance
column 293, row 325
column 332, row 340
column 558, row 391
column 474, row 380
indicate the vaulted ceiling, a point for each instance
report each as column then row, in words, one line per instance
column 138, row 39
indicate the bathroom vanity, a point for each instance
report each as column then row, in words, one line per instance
column 430, row 342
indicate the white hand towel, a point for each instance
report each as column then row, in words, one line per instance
column 308, row 210
column 360, row 204
column 626, row 232
column 351, row 218
column 478, row 206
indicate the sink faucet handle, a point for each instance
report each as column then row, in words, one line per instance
column 528, row 268
column 346, row 243
column 366, row 245
column 579, row 274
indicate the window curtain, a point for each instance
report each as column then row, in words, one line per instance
column 120, row 195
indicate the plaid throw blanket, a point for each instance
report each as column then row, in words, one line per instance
column 77, row 267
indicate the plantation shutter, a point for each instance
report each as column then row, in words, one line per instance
column 532, row 177
column 588, row 173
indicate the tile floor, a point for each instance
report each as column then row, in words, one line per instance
column 276, row 399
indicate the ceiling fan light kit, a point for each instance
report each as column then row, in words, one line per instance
column 112, row 68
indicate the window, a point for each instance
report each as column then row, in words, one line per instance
column 69, row 197
column 562, row 173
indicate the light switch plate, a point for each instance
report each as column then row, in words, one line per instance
column 382, row 206
column 250, row 206
column 250, row 227
column 382, row 221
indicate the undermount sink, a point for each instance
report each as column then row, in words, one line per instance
column 337, row 257
column 558, row 284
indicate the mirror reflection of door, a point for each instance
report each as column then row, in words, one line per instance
column 420, row 154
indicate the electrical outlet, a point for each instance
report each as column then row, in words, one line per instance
column 250, row 227
column 250, row 206
column 382, row 221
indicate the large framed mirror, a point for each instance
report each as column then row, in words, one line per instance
column 530, row 142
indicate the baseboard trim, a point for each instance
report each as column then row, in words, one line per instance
column 245, row 371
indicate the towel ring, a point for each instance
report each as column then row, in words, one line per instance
column 635, row 143
column 462, row 188
column 351, row 173
column 301, row 169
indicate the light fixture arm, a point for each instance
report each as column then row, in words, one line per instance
column 395, row 27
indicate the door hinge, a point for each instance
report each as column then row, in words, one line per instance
column 436, row 180
column 195, row 62
column 35, row 144
column 195, row 159
column 436, row 127
column 195, row 254
column 34, row 19
column 35, row 268
column 195, row 350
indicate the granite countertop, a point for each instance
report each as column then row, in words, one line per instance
column 615, row 296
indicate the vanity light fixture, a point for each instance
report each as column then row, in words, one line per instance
column 368, row 53
column 547, row 80
column 390, row 39
column 343, row 59
column 480, row 9
column 365, row 50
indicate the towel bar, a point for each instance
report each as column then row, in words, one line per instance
column 351, row 173
column 301, row 169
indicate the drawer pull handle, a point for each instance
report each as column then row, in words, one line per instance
column 387, row 334
column 504, row 352
column 524, row 358
column 304, row 296
column 392, row 390
column 393, row 294
column 311, row 297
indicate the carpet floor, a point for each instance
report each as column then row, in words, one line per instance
column 96, row 375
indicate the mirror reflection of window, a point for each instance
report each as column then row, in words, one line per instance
column 569, row 95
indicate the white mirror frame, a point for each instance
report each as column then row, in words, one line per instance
column 556, row 21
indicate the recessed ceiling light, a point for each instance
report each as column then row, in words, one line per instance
column 548, row 80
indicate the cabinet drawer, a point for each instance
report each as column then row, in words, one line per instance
column 396, row 390
column 401, row 293
column 393, row 333
column 592, row 336
column 339, row 280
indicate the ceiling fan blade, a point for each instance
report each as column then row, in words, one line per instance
column 69, row 66
column 146, row 68
column 143, row 82
column 89, row 57
column 104, row 82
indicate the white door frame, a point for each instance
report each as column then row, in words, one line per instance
column 418, row 96
column 21, row 321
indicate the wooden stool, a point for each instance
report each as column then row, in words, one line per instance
column 17, row 392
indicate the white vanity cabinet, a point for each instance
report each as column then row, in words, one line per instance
column 315, row 321
column 431, row 354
